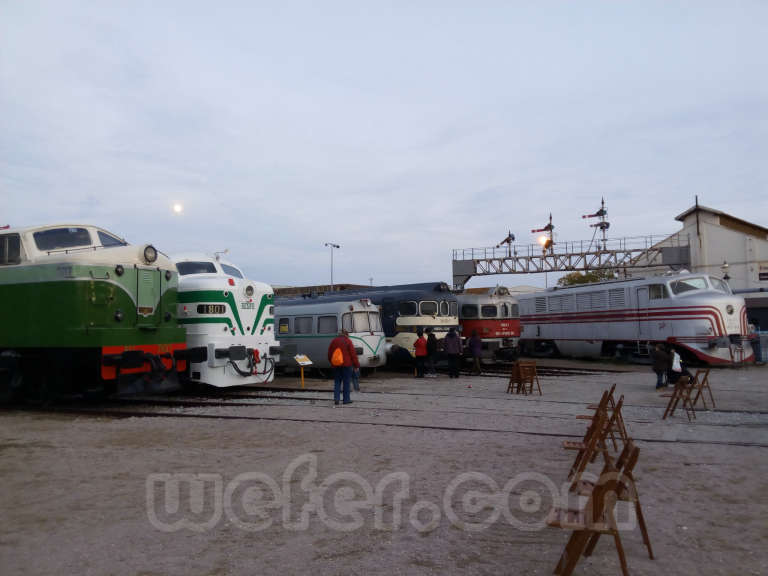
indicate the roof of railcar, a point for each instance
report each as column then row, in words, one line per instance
column 438, row 290
column 638, row 280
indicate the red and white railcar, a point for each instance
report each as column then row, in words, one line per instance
column 695, row 313
column 495, row 314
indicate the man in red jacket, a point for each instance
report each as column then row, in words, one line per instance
column 342, row 373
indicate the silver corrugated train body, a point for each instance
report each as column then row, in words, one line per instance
column 696, row 313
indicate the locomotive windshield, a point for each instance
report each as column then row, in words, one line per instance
column 688, row 285
column 61, row 239
column 375, row 321
column 720, row 285
column 360, row 322
column 186, row 268
column 231, row 270
column 108, row 241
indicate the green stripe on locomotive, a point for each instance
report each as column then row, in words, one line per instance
column 74, row 306
column 219, row 297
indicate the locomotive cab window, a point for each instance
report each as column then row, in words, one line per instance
column 108, row 241
column 346, row 322
column 360, row 321
column 284, row 327
column 657, row 292
column 469, row 311
column 327, row 325
column 444, row 308
column 231, row 270
column 61, row 239
column 428, row 308
column 489, row 311
column 302, row 325
column 505, row 310
column 10, row 249
column 454, row 308
column 186, row 268
column 720, row 285
column 408, row 308
column 375, row 321
column 688, row 285
column 515, row 311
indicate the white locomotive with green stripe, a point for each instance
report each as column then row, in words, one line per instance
column 229, row 321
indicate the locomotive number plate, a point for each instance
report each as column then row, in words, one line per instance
column 248, row 305
column 211, row 309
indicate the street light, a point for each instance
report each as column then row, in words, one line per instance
column 331, row 245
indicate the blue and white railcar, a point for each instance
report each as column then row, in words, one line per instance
column 307, row 326
column 404, row 309
column 229, row 321
column 695, row 313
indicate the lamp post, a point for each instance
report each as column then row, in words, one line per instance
column 331, row 245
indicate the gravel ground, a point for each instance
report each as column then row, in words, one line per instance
column 436, row 476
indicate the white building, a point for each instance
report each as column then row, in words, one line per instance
column 723, row 245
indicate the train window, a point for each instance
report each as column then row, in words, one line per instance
column 107, row 240
column 444, row 308
column 302, row 325
column 469, row 311
column 327, row 325
column 428, row 308
column 515, row 311
column 284, row 326
column 657, row 292
column 504, row 310
column 61, row 238
column 346, row 322
column 687, row 285
column 231, row 271
column 360, row 321
column 454, row 308
column 186, row 268
column 10, row 249
column 408, row 308
column 375, row 320
column 720, row 285
column 489, row 311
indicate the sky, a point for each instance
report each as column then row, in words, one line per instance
column 398, row 130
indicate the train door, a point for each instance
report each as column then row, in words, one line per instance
column 147, row 296
column 643, row 329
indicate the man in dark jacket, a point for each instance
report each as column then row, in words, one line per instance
column 452, row 348
column 343, row 373
column 661, row 363
column 476, row 349
column 431, row 353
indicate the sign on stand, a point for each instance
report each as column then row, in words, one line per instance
column 302, row 360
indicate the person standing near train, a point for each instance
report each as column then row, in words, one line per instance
column 431, row 353
column 452, row 347
column 661, row 362
column 476, row 349
column 420, row 352
column 343, row 358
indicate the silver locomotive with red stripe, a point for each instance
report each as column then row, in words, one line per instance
column 697, row 314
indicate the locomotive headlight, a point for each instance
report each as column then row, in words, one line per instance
column 150, row 253
column 729, row 309
column 249, row 291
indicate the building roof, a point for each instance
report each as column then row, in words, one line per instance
column 726, row 220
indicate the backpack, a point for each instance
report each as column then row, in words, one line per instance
column 337, row 358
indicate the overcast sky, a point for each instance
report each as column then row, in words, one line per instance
column 400, row 130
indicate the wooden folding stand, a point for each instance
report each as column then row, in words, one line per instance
column 628, row 493
column 680, row 393
column 523, row 377
column 701, row 383
column 591, row 521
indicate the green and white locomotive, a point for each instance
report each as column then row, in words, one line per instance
column 229, row 321
column 81, row 309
